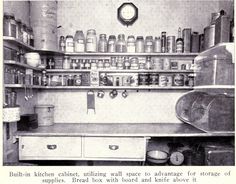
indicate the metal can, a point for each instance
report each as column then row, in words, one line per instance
column 163, row 41
column 166, row 64
column 169, row 80
column 157, row 64
column 143, row 79
column 178, row 80
column 153, row 79
column 171, row 44
column 162, row 80
column 126, row 80
column 187, row 39
column 78, row 80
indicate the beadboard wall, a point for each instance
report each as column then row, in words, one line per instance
column 155, row 16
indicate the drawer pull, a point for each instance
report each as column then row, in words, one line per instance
column 113, row 147
column 52, row 147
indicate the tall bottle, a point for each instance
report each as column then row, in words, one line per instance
column 179, row 42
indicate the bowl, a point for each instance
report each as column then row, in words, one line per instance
column 32, row 59
column 157, row 156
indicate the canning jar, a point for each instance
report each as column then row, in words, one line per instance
column 69, row 43
column 149, row 64
column 31, row 36
column 100, row 64
column 112, row 43
column 157, row 44
column 126, row 63
column 131, row 44
column 66, row 63
column 62, row 44
column 102, row 43
column 134, row 63
column 25, row 34
column 19, row 34
column 121, row 44
column 113, row 63
column 120, row 63
column 148, row 44
column 79, row 41
column 91, row 41
column 139, row 44
column 9, row 25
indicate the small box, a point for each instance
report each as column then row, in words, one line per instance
column 27, row 122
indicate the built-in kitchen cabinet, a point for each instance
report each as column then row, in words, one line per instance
column 82, row 148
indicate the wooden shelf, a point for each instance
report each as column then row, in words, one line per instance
column 18, row 43
column 117, row 71
column 22, row 86
column 12, row 62
column 120, row 87
column 132, row 54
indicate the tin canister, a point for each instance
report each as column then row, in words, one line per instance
column 169, row 80
column 134, row 80
column 162, row 80
column 157, row 64
column 166, row 64
column 195, row 42
column 171, row 44
column 187, row 39
column 178, row 80
column 153, row 79
column 143, row 79
column 209, row 36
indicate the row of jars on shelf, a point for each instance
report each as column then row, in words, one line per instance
column 19, row 76
column 79, row 43
column 120, row 63
column 17, row 29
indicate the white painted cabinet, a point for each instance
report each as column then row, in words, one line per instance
column 82, row 148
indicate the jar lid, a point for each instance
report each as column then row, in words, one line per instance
column 18, row 21
column 9, row 15
column 121, row 36
column 91, row 31
column 112, row 37
column 149, row 38
column 139, row 37
column 102, row 35
column 69, row 36
column 62, row 37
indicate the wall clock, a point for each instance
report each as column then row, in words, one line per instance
column 127, row 13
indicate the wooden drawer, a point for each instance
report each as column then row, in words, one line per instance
column 115, row 148
column 49, row 148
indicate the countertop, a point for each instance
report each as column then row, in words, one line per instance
column 121, row 129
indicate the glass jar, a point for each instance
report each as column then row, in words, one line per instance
column 78, row 80
column 62, row 44
column 94, row 64
column 113, row 63
column 100, row 64
column 19, row 34
column 66, row 63
column 112, row 43
column 69, row 43
column 79, row 41
column 9, row 25
column 107, row 64
column 139, row 45
column 149, row 64
column 73, row 64
column 102, row 43
column 148, row 44
column 127, row 63
column 120, row 63
column 91, row 41
column 31, row 36
column 70, row 80
column 87, row 64
column 25, row 34
column 131, row 44
column 134, row 63
column 121, row 44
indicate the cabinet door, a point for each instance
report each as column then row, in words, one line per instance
column 49, row 148
column 115, row 148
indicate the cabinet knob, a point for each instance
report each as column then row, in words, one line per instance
column 113, row 147
column 52, row 147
